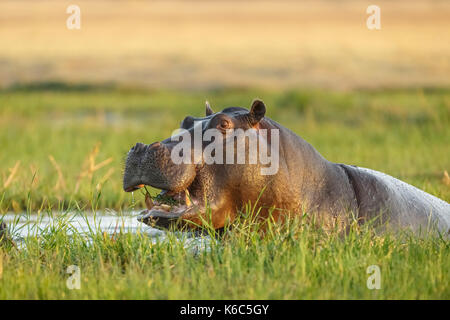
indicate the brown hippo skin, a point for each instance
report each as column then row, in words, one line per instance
column 304, row 183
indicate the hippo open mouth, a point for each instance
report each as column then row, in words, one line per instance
column 167, row 207
column 152, row 165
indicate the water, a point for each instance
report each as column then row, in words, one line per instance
column 22, row 226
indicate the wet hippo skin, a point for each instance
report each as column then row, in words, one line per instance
column 305, row 182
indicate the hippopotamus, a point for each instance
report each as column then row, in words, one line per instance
column 305, row 183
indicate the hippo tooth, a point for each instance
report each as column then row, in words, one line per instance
column 148, row 201
column 187, row 200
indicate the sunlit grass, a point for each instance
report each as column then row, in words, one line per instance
column 295, row 260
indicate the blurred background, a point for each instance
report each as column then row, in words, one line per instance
column 72, row 102
column 211, row 44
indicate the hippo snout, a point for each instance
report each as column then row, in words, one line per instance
column 152, row 165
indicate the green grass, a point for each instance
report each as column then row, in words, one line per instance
column 295, row 261
column 404, row 133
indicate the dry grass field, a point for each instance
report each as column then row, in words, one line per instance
column 209, row 44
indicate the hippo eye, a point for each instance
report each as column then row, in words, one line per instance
column 224, row 124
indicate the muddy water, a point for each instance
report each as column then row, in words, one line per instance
column 22, row 226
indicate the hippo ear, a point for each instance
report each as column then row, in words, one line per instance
column 257, row 111
column 209, row 111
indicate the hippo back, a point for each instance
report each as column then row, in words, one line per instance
column 399, row 203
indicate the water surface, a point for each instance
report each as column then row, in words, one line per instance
column 26, row 225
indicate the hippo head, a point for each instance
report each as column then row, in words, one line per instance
column 194, row 185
